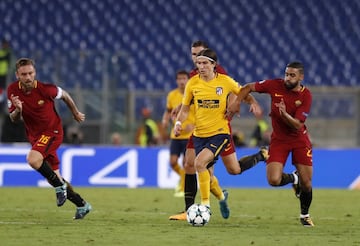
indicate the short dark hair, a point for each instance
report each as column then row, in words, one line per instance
column 182, row 72
column 200, row 43
column 298, row 65
column 208, row 53
column 24, row 62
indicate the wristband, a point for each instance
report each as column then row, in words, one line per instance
column 178, row 123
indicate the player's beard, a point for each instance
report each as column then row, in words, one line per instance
column 290, row 85
column 28, row 85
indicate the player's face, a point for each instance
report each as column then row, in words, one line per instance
column 205, row 67
column 181, row 80
column 194, row 52
column 292, row 78
column 26, row 76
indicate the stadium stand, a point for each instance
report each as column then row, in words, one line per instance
column 254, row 39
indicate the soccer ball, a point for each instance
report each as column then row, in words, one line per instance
column 198, row 215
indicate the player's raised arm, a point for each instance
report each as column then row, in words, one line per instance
column 15, row 115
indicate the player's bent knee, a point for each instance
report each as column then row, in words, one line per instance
column 34, row 162
column 233, row 171
column 274, row 181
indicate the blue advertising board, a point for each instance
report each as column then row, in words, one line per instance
column 149, row 167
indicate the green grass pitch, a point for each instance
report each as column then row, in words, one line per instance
column 120, row 216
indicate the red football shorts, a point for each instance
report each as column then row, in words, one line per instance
column 47, row 145
column 301, row 152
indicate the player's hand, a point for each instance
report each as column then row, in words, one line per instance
column 256, row 109
column 16, row 102
column 282, row 107
column 177, row 128
column 232, row 109
column 79, row 117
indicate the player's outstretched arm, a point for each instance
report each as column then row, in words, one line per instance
column 78, row 116
column 234, row 107
column 255, row 107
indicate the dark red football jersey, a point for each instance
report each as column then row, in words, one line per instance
column 39, row 113
column 298, row 104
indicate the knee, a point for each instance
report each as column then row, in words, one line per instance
column 173, row 163
column 34, row 162
column 189, row 169
column 200, row 165
column 306, row 186
column 189, row 165
column 274, row 181
column 233, row 170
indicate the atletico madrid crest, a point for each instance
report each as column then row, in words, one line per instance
column 219, row 90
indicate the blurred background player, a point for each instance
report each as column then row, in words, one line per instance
column 5, row 59
column 33, row 101
column 7, row 127
column 261, row 134
column 239, row 138
column 116, row 139
column 290, row 106
column 148, row 134
column 178, row 143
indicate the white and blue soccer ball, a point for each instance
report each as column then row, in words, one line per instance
column 198, row 215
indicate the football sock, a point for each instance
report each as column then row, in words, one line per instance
column 286, row 178
column 46, row 171
column 73, row 196
column 215, row 188
column 177, row 168
column 190, row 190
column 182, row 179
column 249, row 161
column 204, row 183
column 305, row 201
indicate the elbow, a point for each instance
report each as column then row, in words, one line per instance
column 297, row 128
column 298, row 125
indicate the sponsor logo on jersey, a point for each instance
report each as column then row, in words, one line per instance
column 208, row 103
